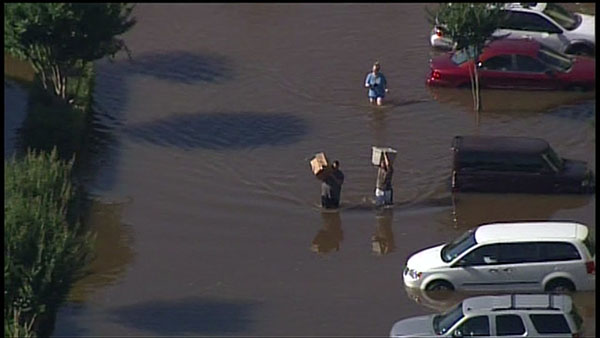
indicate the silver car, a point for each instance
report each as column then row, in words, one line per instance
column 528, row 315
column 548, row 23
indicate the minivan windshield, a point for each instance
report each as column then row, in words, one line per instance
column 563, row 17
column 444, row 322
column 458, row 246
column 556, row 60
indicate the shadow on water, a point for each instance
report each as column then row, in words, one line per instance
column 180, row 67
column 192, row 316
column 112, row 93
column 221, row 130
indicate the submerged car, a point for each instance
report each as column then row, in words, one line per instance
column 522, row 256
column 515, row 315
column 515, row 64
column 502, row 164
column 548, row 23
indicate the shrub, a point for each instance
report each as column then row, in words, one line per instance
column 44, row 250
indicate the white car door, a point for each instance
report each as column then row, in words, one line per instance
column 478, row 270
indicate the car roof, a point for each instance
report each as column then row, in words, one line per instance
column 530, row 231
column 522, row 46
column 512, row 144
column 517, row 302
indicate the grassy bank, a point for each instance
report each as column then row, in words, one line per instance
column 45, row 247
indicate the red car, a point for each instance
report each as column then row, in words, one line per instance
column 515, row 63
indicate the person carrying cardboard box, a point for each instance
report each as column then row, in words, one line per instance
column 384, row 193
column 331, row 187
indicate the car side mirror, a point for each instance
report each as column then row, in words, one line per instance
column 457, row 333
column 459, row 263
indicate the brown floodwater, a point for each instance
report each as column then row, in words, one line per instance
column 204, row 203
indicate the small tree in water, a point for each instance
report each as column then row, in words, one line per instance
column 470, row 26
column 58, row 39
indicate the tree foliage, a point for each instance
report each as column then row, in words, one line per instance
column 44, row 251
column 470, row 26
column 58, row 39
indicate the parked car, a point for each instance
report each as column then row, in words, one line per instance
column 548, row 23
column 521, row 256
column 515, row 64
column 515, row 315
column 503, row 164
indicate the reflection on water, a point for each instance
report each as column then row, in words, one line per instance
column 383, row 239
column 473, row 209
column 331, row 235
column 442, row 301
column 113, row 249
column 512, row 102
column 18, row 70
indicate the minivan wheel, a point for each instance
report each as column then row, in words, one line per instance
column 560, row 285
column 439, row 285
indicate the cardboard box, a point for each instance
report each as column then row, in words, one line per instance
column 377, row 155
column 320, row 166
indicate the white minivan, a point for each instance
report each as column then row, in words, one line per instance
column 522, row 256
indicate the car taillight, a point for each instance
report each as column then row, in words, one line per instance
column 439, row 32
column 590, row 267
column 436, row 74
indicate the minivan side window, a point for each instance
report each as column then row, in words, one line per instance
column 509, row 325
column 549, row 323
column 514, row 253
column 476, row 326
column 484, row 255
column 558, row 251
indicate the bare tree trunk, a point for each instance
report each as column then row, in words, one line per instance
column 477, row 91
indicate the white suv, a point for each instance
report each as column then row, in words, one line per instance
column 529, row 315
column 548, row 23
column 529, row 256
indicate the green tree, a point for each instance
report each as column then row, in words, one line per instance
column 470, row 26
column 58, row 39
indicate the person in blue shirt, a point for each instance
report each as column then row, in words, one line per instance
column 377, row 84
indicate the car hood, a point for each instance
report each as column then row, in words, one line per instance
column 427, row 259
column 421, row 326
column 586, row 29
column 575, row 169
column 583, row 68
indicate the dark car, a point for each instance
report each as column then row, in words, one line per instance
column 515, row 165
column 515, row 64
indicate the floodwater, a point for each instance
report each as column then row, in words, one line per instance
column 205, row 206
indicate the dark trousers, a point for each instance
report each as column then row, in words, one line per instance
column 329, row 203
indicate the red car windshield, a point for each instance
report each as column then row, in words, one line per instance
column 461, row 56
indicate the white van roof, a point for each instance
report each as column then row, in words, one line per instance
column 517, row 302
column 529, row 231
